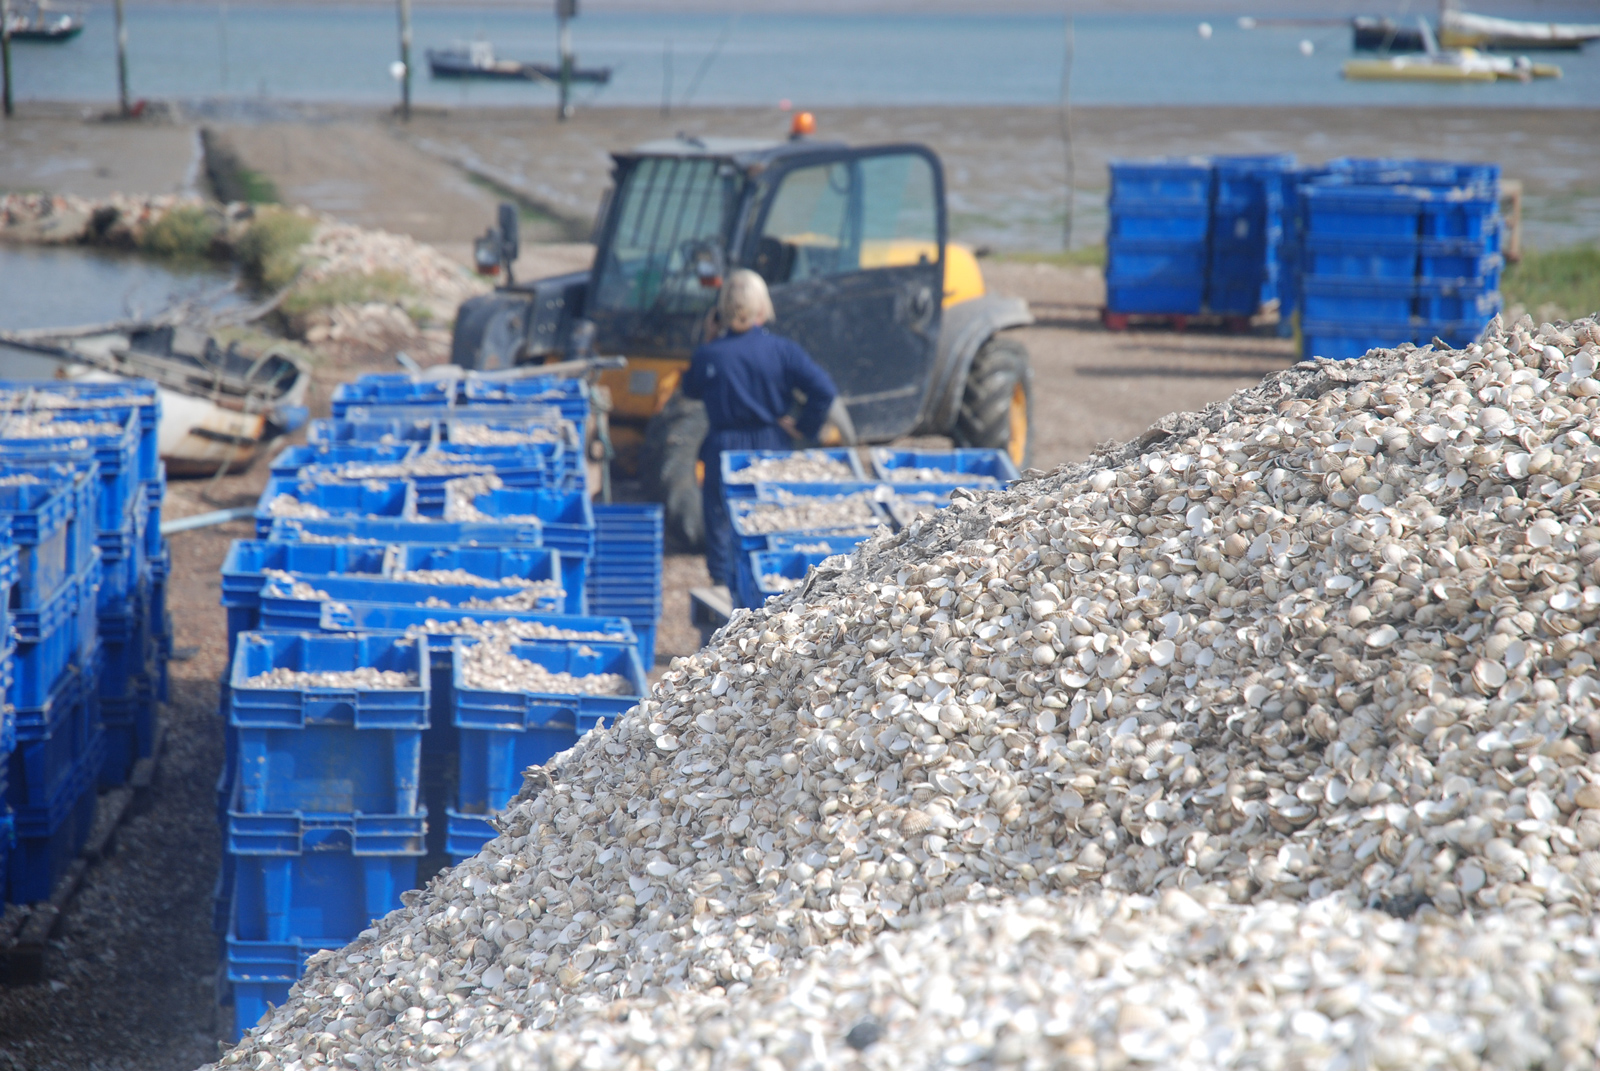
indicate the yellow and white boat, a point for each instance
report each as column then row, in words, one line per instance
column 1447, row 65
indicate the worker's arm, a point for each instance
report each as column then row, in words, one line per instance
column 805, row 375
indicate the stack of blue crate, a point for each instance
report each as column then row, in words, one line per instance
column 1397, row 251
column 905, row 485
column 1157, row 239
column 1247, row 234
column 81, row 484
column 425, row 516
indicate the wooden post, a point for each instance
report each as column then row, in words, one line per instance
column 122, row 62
column 405, row 60
column 5, row 58
column 565, row 10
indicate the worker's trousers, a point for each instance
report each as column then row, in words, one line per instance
column 720, row 544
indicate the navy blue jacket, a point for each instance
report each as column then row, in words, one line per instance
column 748, row 381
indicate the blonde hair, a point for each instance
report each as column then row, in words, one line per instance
column 744, row 302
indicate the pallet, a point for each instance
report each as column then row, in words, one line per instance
column 24, row 945
column 1177, row 321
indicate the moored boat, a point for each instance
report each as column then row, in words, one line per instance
column 477, row 60
column 1462, row 29
column 1447, row 65
column 41, row 23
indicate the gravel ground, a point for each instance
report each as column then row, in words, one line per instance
column 131, row 978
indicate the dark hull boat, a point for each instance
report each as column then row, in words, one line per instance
column 44, row 26
column 1384, row 35
column 480, row 62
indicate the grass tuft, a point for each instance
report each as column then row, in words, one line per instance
column 269, row 250
column 185, row 233
column 1563, row 282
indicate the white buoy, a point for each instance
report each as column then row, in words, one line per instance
column 1205, row 31
column 1246, row 22
column 397, row 70
column 1306, row 48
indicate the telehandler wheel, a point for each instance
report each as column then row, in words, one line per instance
column 997, row 404
column 668, row 469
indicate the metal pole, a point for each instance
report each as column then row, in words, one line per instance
column 122, row 62
column 5, row 58
column 565, row 23
column 666, row 79
column 405, row 60
column 1066, row 131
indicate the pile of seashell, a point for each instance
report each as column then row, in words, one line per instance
column 294, row 586
column 1109, row 981
column 461, row 496
column 286, row 505
column 490, row 665
column 791, row 512
column 801, row 466
column 365, row 677
column 1331, row 642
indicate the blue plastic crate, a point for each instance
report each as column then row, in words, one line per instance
column 1460, row 214
column 281, row 608
column 292, row 459
column 1138, row 260
column 1362, row 211
column 140, row 394
column 51, row 641
column 790, row 564
column 1159, row 221
column 466, row 834
column 1462, row 259
column 477, row 708
column 1360, row 258
column 323, row 877
column 244, row 568
column 1171, row 179
column 260, row 973
column 993, row 464
column 1175, row 298
column 116, row 450
column 517, row 424
column 122, row 565
column 1452, row 302
column 1343, row 340
column 1357, row 301
column 128, row 725
column 393, row 389
column 526, row 465
column 388, row 499
column 52, row 740
column 49, row 838
column 39, row 516
column 382, row 431
column 360, row 708
column 566, row 519
column 1404, row 172
column 154, row 495
column 492, row 762
column 735, row 462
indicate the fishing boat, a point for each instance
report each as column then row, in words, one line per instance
column 44, row 24
column 477, row 60
column 1447, row 65
column 219, row 405
column 1462, row 29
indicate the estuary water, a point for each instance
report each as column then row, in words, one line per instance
column 342, row 53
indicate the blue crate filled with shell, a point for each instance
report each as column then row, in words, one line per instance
column 426, row 512
column 85, row 632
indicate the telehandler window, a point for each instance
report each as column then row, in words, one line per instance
column 672, row 216
column 876, row 211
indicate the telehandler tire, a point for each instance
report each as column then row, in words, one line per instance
column 668, row 469
column 997, row 402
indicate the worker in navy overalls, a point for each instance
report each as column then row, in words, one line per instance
column 748, row 379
